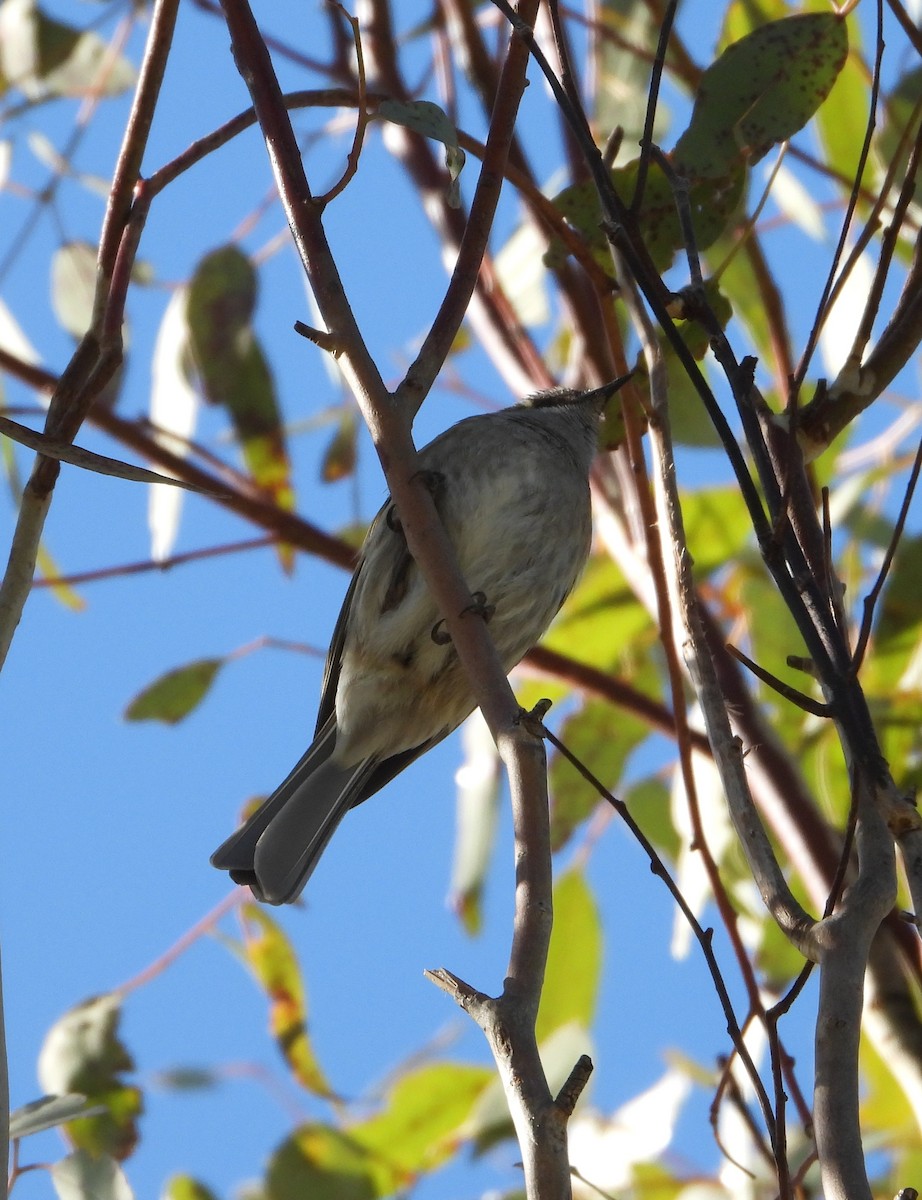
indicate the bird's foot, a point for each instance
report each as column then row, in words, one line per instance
column 433, row 481
column 477, row 607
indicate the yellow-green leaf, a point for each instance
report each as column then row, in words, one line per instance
column 275, row 966
column 340, row 455
column 574, row 964
column 83, row 1053
column 184, row 1187
column 601, row 619
column 649, row 805
column 232, row 367
column 421, row 1122
column 602, row 741
column 321, row 1163
column 63, row 592
column 174, row 695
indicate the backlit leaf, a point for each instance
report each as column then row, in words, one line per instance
column 174, row 695
column 421, row 1122
column 322, row 1163
column 232, row 367
column 574, row 965
column 42, row 56
column 82, row 1053
column 184, row 1187
column 73, row 283
column 275, row 966
column 761, row 91
column 602, row 741
column 422, row 116
column 712, row 200
column 339, row 458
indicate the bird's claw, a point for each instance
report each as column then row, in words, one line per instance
column 433, row 481
column 477, row 607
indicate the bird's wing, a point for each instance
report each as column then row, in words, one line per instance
column 327, row 708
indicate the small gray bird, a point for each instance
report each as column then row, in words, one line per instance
column 512, row 489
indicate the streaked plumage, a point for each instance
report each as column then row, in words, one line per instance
column 512, row 489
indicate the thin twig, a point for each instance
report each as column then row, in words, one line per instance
column 870, row 600
column 656, row 76
column 823, row 304
column 704, row 937
column 361, row 115
column 815, row 707
column 153, row 565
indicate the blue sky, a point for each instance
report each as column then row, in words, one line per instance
column 108, row 826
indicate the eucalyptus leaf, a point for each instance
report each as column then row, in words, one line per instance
column 761, row 91
column 173, row 696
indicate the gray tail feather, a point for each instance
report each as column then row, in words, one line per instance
column 276, row 850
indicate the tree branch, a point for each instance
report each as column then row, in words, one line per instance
column 539, row 1124
column 845, row 940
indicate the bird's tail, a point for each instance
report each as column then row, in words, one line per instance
column 276, row 850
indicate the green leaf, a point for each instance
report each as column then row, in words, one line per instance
column 174, row 695
column 339, row 458
column 421, row 1122
column 623, row 69
column 893, row 674
column 83, row 1053
column 322, row 1163
column 688, row 418
column 649, row 804
column 422, row 116
column 232, row 367
column 574, row 964
column 602, row 741
column 717, row 527
column 761, row 91
column 220, row 304
column 842, row 121
column 898, row 618
column 773, row 637
column 742, row 288
column 418, row 1128
column 897, row 136
column 713, row 201
column 885, row 1107
column 601, row 619
column 184, row 1187
column 275, row 966
column 744, row 16
column 777, row 959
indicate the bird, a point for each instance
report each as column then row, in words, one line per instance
column 512, row 490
